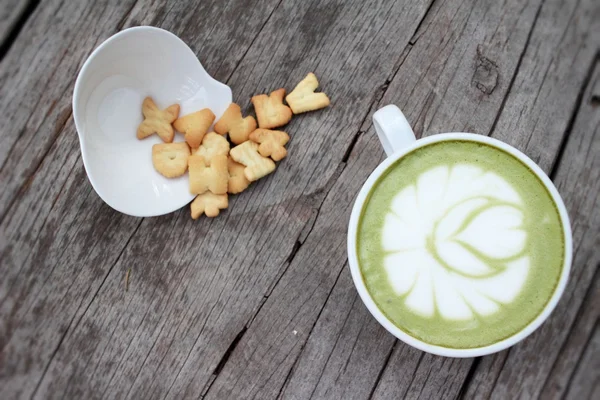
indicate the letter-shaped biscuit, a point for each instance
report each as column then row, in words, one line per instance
column 271, row 143
column 170, row 159
column 195, row 126
column 270, row 110
column 212, row 145
column 157, row 121
column 303, row 98
column 257, row 166
column 213, row 178
column 209, row 203
column 237, row 180
column 232, row 122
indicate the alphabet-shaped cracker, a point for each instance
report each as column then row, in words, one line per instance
column 232, row 122
column 270, row 110
column 270, row 143
column 237, row 180
column 212, row 145
column 170, row 159
column 205, row 178
column 257, row 166
column 195, row 126
column 157, row 121
column 209, row 203
column 303, row 98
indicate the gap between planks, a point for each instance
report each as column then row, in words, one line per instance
column 14, row 31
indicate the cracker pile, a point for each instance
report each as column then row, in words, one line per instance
column 217, row 167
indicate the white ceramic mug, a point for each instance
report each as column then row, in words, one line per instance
column 398, row 139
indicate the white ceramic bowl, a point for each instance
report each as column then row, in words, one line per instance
column 107, row 103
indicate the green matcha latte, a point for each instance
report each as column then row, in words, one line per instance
column 460, row 244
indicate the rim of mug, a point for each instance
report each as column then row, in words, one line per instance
column 411, row 340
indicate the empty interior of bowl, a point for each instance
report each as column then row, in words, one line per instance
column 134, row 64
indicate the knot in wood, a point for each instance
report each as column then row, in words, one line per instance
column 485, row 77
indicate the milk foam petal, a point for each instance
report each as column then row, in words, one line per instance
column 456, row 216
column 400, row 236
column 450, row 303
column 404, row 205
column 495, row 233
column 402, row 270
column 459, row 183
column 478, row 301
column 462, row 260
column 496, row 187
column 505, row 286
column 420, row 299
column 431, row 186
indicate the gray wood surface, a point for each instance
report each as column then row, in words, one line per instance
column 259, row 303
column 10, row 14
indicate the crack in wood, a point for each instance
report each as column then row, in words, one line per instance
column 587, row 299
column 463, row 389
column 313, row 326
column 383, row 368
column 573, row 117
column 581, row 355
column 17, row 27
column 225, row 358
column 417, row 33
column 517, row 68
column 122, row 21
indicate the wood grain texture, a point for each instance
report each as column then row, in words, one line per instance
column 53, row 260
column 586, row 382
column 11, row 12
column 343, row 354
column 561, row 379
column 526, row 368
column 171, row 348
column 544, row 95
column 259, row 303
column 432, row 376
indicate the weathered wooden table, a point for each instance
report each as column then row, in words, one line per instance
column 259, row 302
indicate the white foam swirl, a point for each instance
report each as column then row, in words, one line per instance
column 455, row 243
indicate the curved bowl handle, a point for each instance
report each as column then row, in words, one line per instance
column 393, row 129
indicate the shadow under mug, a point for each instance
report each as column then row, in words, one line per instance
column 398, row 139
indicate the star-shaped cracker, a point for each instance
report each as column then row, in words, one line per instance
column 157, row 121
column 209, row 203
column 232, row 122
column 271, row 143
column 303, row 98
column 270, row 110
column 257, row 166
column 195, row 126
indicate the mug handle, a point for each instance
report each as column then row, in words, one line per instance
column 393, row 129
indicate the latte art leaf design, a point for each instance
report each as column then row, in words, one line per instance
column 455, row 243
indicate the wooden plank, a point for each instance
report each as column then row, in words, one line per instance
column 36, row 79
column 343, row 354
column 59, row 241
column 527, row 366
column 586, row 382
column 543, row 97
column 195, row 293
column 576, row 347
column 10, row 14
column 267, row 350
